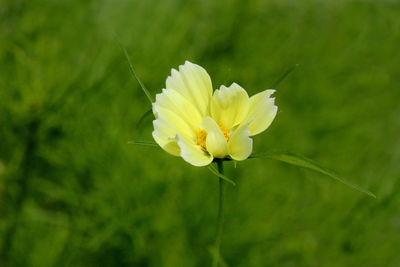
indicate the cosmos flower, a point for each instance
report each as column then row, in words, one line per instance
column 193, row 122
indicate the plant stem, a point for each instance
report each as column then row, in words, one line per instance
column 220, row 214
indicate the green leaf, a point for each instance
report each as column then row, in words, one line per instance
column 304, row 162
column 135, row 75
column 143, row 117
column 143, row 143
column 215, row 253
column 215, row 171
column 283, row 76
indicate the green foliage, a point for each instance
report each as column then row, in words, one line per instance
column 214, row 170
column 145, row 91
column 73, row 192
column 301, row 161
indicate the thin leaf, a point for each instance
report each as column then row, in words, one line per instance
column 143, row 117
column 301, row 161
column 214, row 253
column 220, row 175
column 147, row 93
column 143, row 143
column 283, row 76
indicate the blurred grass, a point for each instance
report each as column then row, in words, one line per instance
column 73, row 192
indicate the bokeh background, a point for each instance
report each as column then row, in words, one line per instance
column 74, row 193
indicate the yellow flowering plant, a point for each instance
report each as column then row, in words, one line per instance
column 204, row 126
column 198, row 125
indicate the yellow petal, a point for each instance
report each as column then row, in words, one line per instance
column 240, row 144
column 162, row 138
column 262, row 111
column 230, row 105
column 176, row 103
column 215, row 143
column 166, row 127
column 193, row 83
column 192, row 153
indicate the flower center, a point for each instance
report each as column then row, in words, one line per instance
column 202, row 136
column 225, row 131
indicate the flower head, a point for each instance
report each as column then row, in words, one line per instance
column 199, row 125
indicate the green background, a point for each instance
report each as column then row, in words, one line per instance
column 74, row 193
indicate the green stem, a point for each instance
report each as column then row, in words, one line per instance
column 220, row 214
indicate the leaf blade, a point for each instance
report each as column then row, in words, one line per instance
column 142, row 143
column 301, row 161
column 220, row 175
column 283, row 76
column 134, row 73
column 143, row 117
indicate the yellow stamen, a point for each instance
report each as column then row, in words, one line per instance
column 201, row 138
column 225, row 131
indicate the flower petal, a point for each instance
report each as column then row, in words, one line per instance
column 162, row 135
column 192, row 153
column 262, row 111
column 216, row 143
column 167, row 126
column 175, row 102
column 193, row 83
column 230, row 105
column 240, row 144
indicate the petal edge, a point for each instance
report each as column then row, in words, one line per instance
column 240, row 144
column 262, row 111
column 192, row 153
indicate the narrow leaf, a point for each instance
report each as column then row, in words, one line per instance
column 215, row 254
column 147, row 93
column 220, row 175
column 143, row 143
column 143, row 117
column 283, row 76
column 304, row 162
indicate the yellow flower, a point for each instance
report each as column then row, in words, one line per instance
column 199, row 125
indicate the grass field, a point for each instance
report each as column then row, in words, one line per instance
column 74, row 193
